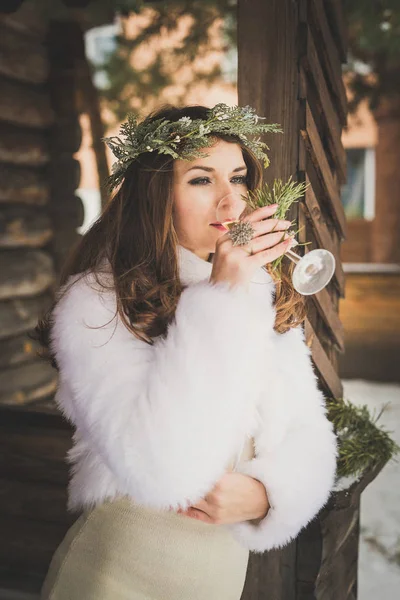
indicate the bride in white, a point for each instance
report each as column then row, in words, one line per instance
column 200, row 431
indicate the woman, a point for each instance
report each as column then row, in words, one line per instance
column 200, row 432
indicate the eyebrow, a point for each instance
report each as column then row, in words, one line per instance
column 210, row 169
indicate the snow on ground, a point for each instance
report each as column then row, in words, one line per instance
column 379, row 559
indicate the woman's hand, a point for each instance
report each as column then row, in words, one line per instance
column 235, row 497
column 235, row 265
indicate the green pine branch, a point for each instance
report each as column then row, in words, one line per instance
column 285, row 194
column 362, row 443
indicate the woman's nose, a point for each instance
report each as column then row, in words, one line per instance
column 230, row 206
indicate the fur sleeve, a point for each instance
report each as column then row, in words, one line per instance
column 166, row 419
column 297, row 470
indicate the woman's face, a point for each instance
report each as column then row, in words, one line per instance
column 199, row 187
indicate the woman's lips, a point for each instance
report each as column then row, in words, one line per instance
column 225, row 226
column 219, row 226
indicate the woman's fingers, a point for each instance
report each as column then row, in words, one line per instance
column 268, row 240
column 270, row 225
column 262, row 213
column 270, row 254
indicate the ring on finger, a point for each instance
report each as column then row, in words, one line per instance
column 241, row 233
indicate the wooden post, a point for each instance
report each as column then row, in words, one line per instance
column 289, row 69
column 65, row 49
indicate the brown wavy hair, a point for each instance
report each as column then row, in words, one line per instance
column 136, row 235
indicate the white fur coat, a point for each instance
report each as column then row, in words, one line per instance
column 161, row 423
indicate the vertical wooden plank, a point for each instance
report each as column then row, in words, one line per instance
column 316, row 151
column 66, row 49
column 268, row 74
column 330, row 56
column 326, row 110
column 336, row 18
column 268, row 81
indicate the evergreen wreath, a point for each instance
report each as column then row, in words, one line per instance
column 186, row 137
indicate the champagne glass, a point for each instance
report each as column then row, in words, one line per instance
column 312, row 272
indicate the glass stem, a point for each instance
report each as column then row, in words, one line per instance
column 290, row 254
column 293, row 256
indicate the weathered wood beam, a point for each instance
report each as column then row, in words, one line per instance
column 25, row 105
column 336, row 19
column 28, row 544
column 322, row 363
column 67, row 210
column 67, row 169
column 330, row 57
column 23, row 147
column 268, row 73
column 19, row 315
column 32, row 437
column 329, row 315
column 27, row 382
column 316, row 151
column 321, row 229
column 25, row 273
column 311, row 63
column 66, row 134
column 268, row 81
column 17, row 350
column 17, row 503
column 22, row 57
column 23, row 185
column 20, row 226
column 23, row 462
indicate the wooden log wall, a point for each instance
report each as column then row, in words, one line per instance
column 26, row 265
column 371, row 317
column 33, row 484
column 39, row 213
column 290, row 56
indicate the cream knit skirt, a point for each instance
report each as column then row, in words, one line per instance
column 122, row 551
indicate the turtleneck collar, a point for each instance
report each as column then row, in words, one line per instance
column 193, row 269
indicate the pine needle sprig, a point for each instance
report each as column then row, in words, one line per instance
column 362, row 443
column 285, row 194
column 282, row 193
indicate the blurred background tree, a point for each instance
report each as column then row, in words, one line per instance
column 373, row 75
column 129, row 87
column 374, row 50
column 114, row 81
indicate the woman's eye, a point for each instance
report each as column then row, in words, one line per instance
column 200, row 180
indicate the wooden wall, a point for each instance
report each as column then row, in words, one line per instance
column 322, row 164
column 33, row 484
column 39, row 213
column 26, row 265
column 290, row 57
column 371, row 319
